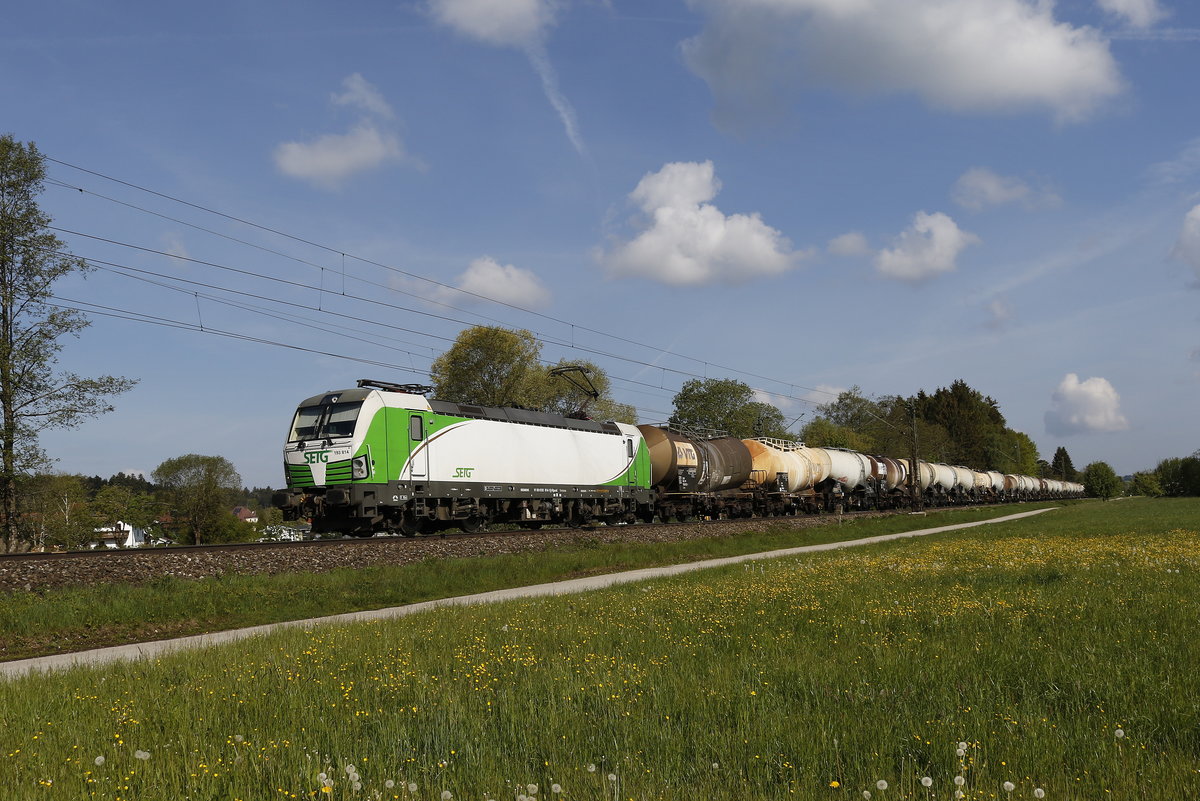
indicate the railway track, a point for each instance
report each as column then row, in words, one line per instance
column 43, row 571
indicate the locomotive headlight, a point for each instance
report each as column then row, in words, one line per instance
column 360, row 467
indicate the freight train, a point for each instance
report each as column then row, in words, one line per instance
column 381, row 457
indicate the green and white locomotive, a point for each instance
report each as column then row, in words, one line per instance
column 383, row 458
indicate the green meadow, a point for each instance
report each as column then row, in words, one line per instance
column 1054, row 657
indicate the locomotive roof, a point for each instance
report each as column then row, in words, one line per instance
column 526, row 416
column 500, row 413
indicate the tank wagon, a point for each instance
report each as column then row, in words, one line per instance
column 382, row 457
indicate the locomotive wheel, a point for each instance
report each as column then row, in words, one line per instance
column 474, row 524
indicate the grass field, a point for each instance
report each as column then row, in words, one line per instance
column 74, row 619
column 1055, row 657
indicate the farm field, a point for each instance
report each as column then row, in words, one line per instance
column 77, row 618
column 1051, row 657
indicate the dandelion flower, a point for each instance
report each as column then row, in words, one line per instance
column 926, row 782
column 959, row 794
column 531, row 789
column 1039, row 793
column 591, row 768
column 960, row 752
column 612, row 777
column 867, row 795
column 835, row 783
column 237, row 738
column 556, row 788
column 1119, row 733
column 350, row 769
column 522, row 797
column 412, row 787
column 99, row 761
column 142, row 755
column 321, row 777
column 960, row 780
column 389, row 784
column 1009, row 787
column 881, row 784
column 357, row 786
column 446, row 795
column 962, row 746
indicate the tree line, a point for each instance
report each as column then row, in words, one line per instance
column 189, row 501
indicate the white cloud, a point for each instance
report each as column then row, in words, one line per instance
column 980, row 187
column 1180, row 168
column 330, row 159
column 688, row 241
column 992, row 56
column 849, row 244
column 484, row 278
column 1188, row 247
column 928, row 247
column 1139, row 13
column 511, row 23
column 359, row 93
column 173, row 245
column 521, row 24
column 1084, row 407
column 508, row 284
column 999, row 313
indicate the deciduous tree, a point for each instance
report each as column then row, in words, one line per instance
column 199, row 491
column 727, row 405
column 1101, row 481
column 33, row 396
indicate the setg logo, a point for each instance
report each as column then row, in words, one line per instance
column 463, row 472
column 313, row 457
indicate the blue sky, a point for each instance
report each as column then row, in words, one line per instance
column 802, row 194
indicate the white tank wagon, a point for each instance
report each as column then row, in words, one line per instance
column 781, row 465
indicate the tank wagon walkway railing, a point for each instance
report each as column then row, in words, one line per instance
column 103, row 656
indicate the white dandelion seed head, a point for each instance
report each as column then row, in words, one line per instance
column 412, row 787
column 1009, row 787
column 237, row 738
column 612, row 777
column 962, row 746
column 350, row 769
column 556, row 788
column 446, row 795
column 591, row 768
column 961, row 752
column 99, row 761
column 959, row 794
column 960, row 780
column 357, row 786
column 867, row 795
column 926, row 782
column 327, row 782
column 322, row 777
column 142, row 755
column 1119, row 733
column 1039, row 793
column 389, row 784
column 881, row 784
column 716, row 766
column 522, row 797
column 531, row 789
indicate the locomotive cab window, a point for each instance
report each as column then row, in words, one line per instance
column 416, row 428
column 325, row 421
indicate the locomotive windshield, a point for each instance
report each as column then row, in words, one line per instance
column 325, row 421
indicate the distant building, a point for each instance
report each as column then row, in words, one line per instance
column 122, row 535
column 245, row 515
